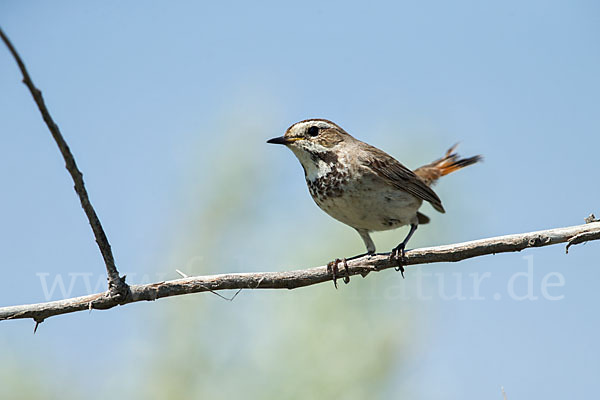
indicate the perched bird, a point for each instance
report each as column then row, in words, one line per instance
column 362, row 186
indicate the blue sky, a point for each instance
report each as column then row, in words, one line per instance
column 167, row 106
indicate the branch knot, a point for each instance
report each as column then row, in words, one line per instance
column 119, row 291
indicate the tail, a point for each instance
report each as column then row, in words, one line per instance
column 451, row 162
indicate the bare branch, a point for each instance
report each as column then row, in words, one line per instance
column 120, row 293
column 118, row 289
column 307, row 277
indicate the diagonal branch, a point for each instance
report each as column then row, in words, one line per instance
column 306, row 277
column 120, row 293
column 118, row 289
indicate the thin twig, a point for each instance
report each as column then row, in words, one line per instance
column 591, row 218
column 184, row 275
column 118, row 289
column 307, row 277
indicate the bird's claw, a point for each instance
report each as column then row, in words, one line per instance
column 398, row 254
column 332, row 267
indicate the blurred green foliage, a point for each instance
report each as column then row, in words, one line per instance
column 230, row 215
column 307, row 343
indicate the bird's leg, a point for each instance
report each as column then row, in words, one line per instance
column 364, row 235
column 360, row 255
column 399, row 251
column 332, row 267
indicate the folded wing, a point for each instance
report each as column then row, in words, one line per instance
column 397, row 175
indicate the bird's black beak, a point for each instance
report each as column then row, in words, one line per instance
column 279, row 140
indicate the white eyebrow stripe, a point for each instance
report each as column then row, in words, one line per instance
column 318, row 124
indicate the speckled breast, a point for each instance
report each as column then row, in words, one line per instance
column 328, row 186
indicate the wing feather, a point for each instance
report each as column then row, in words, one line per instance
column 397, row 175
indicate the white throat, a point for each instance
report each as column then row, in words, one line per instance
column 315, row 167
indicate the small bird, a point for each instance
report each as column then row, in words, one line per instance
column 362, row 186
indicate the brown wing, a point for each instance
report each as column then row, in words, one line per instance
column 388, row 168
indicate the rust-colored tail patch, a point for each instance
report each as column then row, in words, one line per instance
column 445, row 165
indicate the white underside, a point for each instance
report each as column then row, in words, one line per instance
column 372, row 206
column 367, row 202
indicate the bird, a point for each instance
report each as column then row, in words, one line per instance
column 363, row 186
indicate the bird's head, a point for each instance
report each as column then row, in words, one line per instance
column 315, row 142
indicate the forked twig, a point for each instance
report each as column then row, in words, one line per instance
column 118, row 289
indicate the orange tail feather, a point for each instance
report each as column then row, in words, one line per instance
column 449, row 163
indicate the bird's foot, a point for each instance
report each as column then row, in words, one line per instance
column 332, row 268
column 398, row 254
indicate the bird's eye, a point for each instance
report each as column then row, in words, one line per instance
column 313, row 131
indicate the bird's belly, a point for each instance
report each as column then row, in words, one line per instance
column 368, row 206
